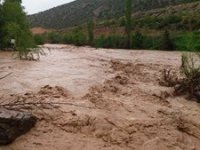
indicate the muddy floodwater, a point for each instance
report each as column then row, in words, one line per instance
column 62, row 66
column 110, row 99
column 68, row 66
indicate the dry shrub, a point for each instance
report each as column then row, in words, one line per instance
column 190, row 68
column 190, row 83
column 191, row 65
column 169, row 78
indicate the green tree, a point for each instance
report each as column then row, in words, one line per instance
column 1, row 24
column 167, row 43
column 15, row 26
column 90, row 28
column 39, row 39
column 138, row 40
column 54, row 37
column 128, row 24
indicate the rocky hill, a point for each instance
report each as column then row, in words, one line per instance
column 81, row 11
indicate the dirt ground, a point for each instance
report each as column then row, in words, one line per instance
column 40, row 30
column 103, row 99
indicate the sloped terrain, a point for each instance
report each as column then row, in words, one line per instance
column 81, row 11
column 100, row 99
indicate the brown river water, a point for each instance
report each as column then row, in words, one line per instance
column 62, row 66
column 67, row 66
column 117, row 101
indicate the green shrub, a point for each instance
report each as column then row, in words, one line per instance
column 90, row 28
column 67, row 38
column 122, row 21
column 79, row 39
column 167, row 43
column 188, row 41
column 112, row 41
column 152, row 42
column 39, row 39
column 99, row 42
column 54, row 37
column 138, row 40
column 191, row 65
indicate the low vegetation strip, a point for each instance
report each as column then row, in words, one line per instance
column 165, row 40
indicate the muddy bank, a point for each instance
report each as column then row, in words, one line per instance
column 102, row 99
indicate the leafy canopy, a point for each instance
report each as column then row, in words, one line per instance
column 14, row 25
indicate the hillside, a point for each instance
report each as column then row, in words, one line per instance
column 81, row 11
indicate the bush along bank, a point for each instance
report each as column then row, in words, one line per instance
column 181, row 41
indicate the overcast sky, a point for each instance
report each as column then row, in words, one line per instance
column 34, row 6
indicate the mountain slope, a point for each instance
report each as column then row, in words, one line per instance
column 81, row 11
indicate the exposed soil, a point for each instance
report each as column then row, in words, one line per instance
column 40, row 30
column 102, row 99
